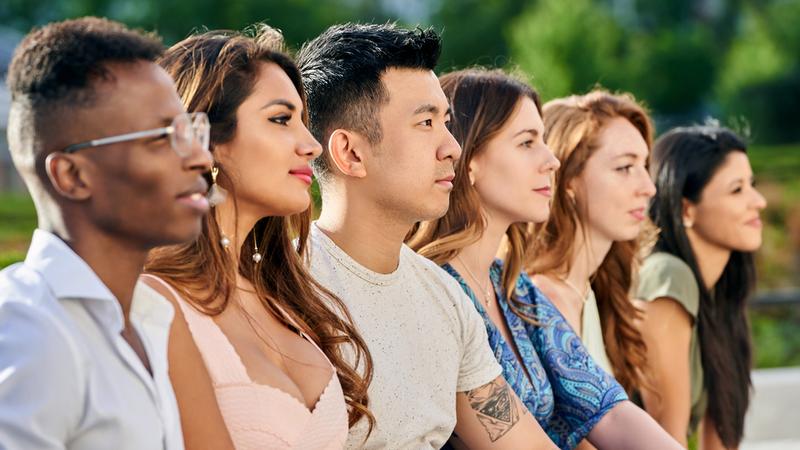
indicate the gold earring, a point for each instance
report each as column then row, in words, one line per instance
column 217, row 194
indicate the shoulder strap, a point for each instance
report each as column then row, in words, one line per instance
column 222, row 362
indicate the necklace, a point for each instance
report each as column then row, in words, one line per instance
column 487, row 294
column 582, row 296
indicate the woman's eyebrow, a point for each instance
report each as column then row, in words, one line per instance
column 280, row 101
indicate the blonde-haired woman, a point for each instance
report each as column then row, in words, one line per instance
column 584, row 255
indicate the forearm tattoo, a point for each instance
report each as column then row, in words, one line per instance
column 494, row 405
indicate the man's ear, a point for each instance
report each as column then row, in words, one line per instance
column 347, row 150
column 68, row 176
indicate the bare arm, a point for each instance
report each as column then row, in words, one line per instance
column 492, row 417
column 667, row 329
column 626, row 426
column 201, row 420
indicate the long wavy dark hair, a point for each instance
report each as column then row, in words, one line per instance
column 682, row 163
column 215, row 72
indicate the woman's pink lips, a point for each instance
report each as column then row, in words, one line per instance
column 638, row 214
column 546, row 191
column 304, row 173
column 755, row 222
column 302, row 176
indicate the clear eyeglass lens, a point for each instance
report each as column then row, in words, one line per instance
column 202, row 129
column 186, row 129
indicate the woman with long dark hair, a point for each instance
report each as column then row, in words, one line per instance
column 696, row 283
column 255, row 334
column 503, row 182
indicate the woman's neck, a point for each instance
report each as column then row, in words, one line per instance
column 589, row 252
column 711, row 259
column 235, row 224
column 478, row 257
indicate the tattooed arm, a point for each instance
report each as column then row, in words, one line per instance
column 492, row 417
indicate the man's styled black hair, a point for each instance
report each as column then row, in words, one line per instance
column 342, row 70
column 54, row 70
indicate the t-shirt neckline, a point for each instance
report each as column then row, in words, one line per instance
column 366, row 274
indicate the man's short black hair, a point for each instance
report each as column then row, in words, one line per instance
column 341, row 71
column 55, row 69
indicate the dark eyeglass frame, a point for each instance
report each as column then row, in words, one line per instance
column 197, row 122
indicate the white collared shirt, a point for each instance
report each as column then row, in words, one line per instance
column 68, row 380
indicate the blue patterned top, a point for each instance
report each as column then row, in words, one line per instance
column 569, row 393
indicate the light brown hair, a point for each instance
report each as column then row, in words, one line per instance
column 572, row 129
column 482, row 101
column 215, row 72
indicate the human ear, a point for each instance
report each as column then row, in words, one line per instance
column 347, row 151
column 68, row 176
column 689, row 213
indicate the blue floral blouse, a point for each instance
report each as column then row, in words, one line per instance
column 569, row 393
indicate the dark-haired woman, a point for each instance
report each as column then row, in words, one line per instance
column 696, row 282
column 256, row 351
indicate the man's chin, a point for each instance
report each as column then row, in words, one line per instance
column 435, row 212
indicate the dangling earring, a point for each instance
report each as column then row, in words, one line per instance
column 256, row 255
column 217, row 194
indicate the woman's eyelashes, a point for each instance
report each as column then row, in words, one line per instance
column 739, row 187
column 626, row 169
column 282, row 119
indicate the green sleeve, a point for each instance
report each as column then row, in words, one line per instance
column 665, row 275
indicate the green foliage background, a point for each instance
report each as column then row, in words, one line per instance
column 738, row 60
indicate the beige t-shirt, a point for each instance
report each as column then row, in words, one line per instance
column 426, row 339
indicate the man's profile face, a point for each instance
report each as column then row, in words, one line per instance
column 141, row 191
column 411, row 169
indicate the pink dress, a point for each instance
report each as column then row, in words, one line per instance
column 259, row 416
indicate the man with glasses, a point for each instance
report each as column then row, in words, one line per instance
column 115, row 167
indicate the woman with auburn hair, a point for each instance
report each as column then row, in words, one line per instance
column 696, row 283
column 255, row 334
column 502, row 182
column 584, row 255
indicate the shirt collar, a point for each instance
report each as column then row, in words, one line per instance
column 65, row 272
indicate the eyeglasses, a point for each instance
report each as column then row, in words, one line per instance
column 183, row 132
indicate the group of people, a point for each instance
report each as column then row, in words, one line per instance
column 485, row 272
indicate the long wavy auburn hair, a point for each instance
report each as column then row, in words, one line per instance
column 572, row 129
column 482, row 101
column 215, row 72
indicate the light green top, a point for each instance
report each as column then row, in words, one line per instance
column 592, row 333
column 665, row 275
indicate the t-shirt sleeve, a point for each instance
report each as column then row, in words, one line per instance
column 664, row 275
column 478, row 364
column 583, row 392
column 40, row 400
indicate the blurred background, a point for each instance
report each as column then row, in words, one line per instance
column 737, row 61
